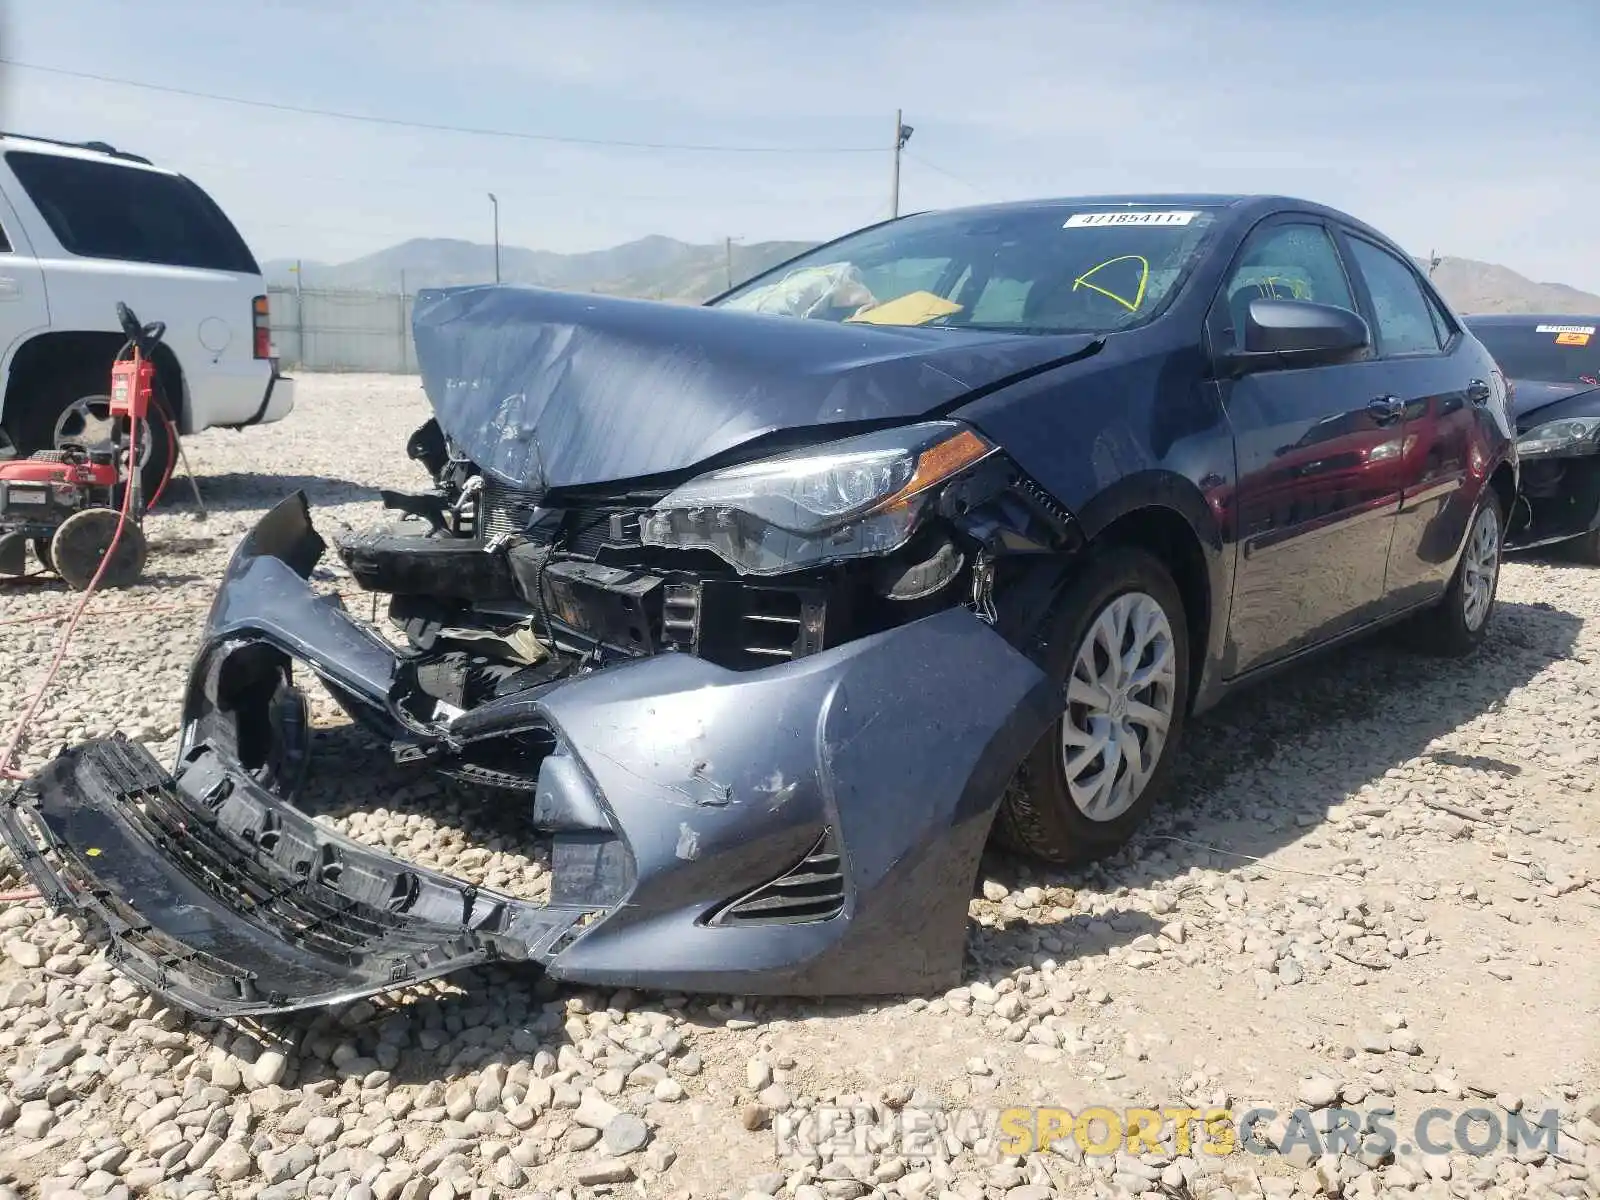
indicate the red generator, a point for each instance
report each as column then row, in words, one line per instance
column 64, row 502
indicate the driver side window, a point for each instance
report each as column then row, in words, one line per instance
column 1285, row 261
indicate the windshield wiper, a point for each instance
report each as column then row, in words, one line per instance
column 981, row 327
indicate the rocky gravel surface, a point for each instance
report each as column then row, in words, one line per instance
column 1376, row 894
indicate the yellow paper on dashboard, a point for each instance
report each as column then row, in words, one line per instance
column 914, row 308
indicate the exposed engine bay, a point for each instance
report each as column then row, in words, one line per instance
column 499, row 590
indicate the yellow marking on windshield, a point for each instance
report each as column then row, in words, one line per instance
column 914, row 308
column 1144, row 279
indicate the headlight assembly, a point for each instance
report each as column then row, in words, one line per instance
column 853, row 498
column 1571, row 435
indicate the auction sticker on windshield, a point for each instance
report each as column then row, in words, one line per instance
column 1095, row 220
column 1564, row 329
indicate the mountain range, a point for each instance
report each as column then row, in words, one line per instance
column 657, row 268
column 663, row 268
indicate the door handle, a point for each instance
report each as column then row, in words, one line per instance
column 1385, row 410
column 1478, row 392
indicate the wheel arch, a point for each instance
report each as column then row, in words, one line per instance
column 1167, row 515
column 1504, row 482
column 46, row 354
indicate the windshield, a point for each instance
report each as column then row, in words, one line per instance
column 1547, row 353
column 1063, row 269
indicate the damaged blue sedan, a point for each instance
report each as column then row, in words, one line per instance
column 771, row 612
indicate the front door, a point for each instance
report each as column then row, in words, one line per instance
column 1318, row 454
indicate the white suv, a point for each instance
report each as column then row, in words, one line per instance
column 85, row 226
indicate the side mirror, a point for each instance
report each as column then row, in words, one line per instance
column 1288, row 334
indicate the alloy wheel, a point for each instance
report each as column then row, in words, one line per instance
column 1121, row 696
column 88, row 422
column 1480, row 568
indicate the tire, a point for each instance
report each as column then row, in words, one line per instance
column 1040, row 815
column 1459, row 623
column 82, row 541
column 70, row 404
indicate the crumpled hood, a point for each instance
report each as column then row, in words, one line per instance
column 548, row 389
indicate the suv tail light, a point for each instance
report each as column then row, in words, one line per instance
column 261, row 320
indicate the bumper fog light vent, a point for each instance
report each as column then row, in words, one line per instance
column 813, row 890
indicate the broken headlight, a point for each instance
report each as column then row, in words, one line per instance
column 1571, row 435
column 848, row 499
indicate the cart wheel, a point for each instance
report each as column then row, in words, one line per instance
column 41, row 549
column 82, row 541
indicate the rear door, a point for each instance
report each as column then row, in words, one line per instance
column 24, row 309
column 1444, row 397
column 1319, row 483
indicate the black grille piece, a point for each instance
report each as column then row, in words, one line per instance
column 680, row 617
column 770, row 624
column 294, row 914
column 812, row 890
column 747, row 627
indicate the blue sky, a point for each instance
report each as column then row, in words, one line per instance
column 1469, row 127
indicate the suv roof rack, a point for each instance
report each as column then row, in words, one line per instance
column 99, row 147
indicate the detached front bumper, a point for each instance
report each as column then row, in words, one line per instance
column 809, row 829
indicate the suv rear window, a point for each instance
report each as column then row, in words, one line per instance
column 106, row 210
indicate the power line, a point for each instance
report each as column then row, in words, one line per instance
column 935, row 167
column 434, row 127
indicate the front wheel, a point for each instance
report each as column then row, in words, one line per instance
column 1461, row 621
column 1119, row 647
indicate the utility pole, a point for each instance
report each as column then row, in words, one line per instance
column 494, row 200
column 902, row 135
column 727, row 250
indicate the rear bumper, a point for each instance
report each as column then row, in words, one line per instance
column 231, row 394
column 812, row 829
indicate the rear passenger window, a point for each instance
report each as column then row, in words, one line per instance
column 1407, row 322
column 109, row 210
column 1287, row 261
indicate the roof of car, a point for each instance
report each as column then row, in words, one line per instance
column 1241, row 205
column 66, row 149
column 1530, row 318
column 1197, row 199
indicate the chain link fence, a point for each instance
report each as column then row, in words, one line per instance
column 318, row 329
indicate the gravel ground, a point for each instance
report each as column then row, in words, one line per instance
column 1378, row 887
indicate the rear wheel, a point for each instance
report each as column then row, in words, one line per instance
column 1460, row 622
column 70, row 407
column 1119, row 647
